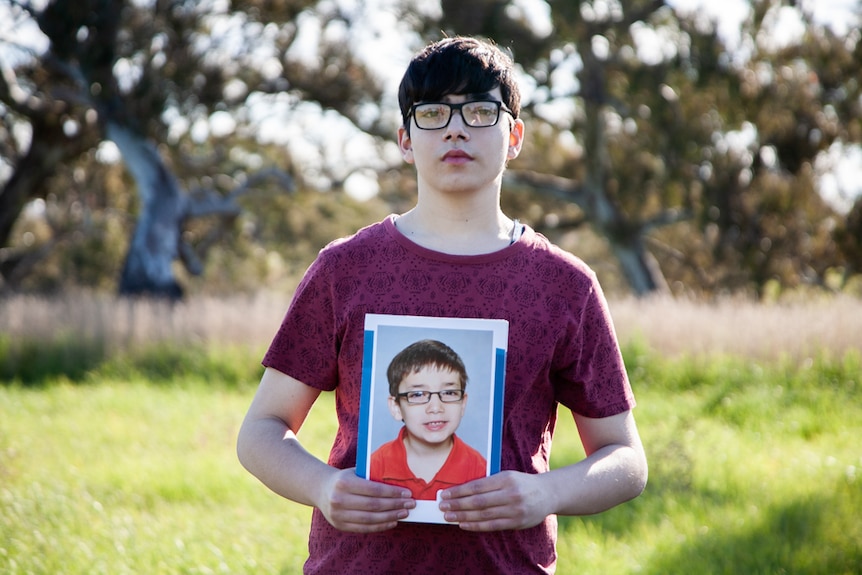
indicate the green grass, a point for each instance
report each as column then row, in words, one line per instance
column 128, row 466
column 754, row 469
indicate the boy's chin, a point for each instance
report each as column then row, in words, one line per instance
column 437, row 441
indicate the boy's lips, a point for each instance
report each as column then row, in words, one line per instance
column 435, row 425
column 456, row 157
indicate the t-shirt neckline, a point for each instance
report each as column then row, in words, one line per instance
column 413, row 247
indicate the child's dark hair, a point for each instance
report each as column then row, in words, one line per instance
column 422, row 354
column 459, row 65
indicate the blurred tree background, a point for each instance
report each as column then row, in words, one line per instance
column 173, row 147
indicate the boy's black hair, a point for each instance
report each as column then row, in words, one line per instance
column 459, row 65
column 422, row 354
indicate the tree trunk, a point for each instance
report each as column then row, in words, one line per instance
column 626, row 237
column 148, row 269
column 626, row 240
column 640, row 268
column 40, row 162
column 49, row 147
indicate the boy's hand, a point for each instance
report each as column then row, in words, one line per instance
column 351, row 503
column 506, row 500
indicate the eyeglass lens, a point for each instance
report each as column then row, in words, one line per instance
column 437, row 115
column 446, row 396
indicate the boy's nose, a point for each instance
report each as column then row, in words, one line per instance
column 436, row 404
column 457, row 128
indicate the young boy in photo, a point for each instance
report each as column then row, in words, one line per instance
column 454, row 254
column 427, row 382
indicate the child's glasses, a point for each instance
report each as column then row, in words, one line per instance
column 421, row 397
column 437, row 115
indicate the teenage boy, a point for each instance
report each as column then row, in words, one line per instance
column 455, row 254
column 427, row 383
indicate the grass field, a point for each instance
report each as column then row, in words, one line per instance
column 119, row 458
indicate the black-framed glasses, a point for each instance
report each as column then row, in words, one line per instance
column 477, row 114
column 421, row 397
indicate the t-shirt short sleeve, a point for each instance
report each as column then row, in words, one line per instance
column 305, row 346
column 591, row 379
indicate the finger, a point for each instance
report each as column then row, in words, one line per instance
column 369, row 505
column 497, row 482
column 366, row 528
column 492, row 525
column 360, row 521
column 502, row 490
column 501, row 509
column 365, row 488
column 469, row 489
column 489, row 519
column 350, row 512
column 482, row 501
column 482, row 506
column 362, row 527
column 347, row 502
column 352, row 483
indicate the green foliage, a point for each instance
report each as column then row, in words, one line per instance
column 654, row 138
column 33, row 362
column 79, row 360
column 165, row 363
column 277, row 238
column 754, row 468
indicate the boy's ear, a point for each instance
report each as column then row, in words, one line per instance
column 405, row 144
column 395, row 409
column 516, row 139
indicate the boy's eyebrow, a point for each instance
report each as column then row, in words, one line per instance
column 421, row 386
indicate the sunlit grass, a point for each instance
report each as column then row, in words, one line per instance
column 128, row 477
column 754, row 472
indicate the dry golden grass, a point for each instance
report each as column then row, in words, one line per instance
column 125, row 323
column 670, row 327
column 740, row 327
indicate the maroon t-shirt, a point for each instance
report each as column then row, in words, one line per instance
column 562, row 348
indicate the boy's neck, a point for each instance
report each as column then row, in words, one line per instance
column 462, row 231
column 425, row 460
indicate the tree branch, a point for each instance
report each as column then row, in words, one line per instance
column 666, row 218
column 554, row 186
column 208, row 202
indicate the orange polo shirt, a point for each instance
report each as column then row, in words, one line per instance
column 389, row 465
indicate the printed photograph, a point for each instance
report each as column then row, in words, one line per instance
column 431, row 408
